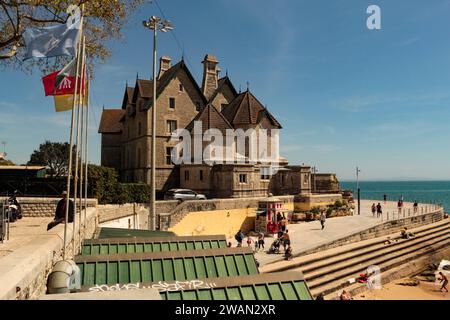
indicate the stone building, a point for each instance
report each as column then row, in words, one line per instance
column 126, row 135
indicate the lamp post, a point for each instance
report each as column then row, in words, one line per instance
column 314, row 179
column 156, row 24
column 358, row 190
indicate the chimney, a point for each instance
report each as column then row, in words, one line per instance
column 210, row 75
column 164, row 65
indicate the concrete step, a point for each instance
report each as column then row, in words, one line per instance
column 315, row 269
column 346, row 251
column 405, row 269
column 337, row 280
column 332, row 289
column 360, row 259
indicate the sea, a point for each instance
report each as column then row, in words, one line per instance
column 420, row 191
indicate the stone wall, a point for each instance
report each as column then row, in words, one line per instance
column 110, row 212
column 170, row 212
column 24, row 272
column 385, row 228
column 42, row 207
column 307, row 201
column 325, row 183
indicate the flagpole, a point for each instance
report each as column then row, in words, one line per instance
column 86, row 158
column 75, row 186
column 77, row 146
column 71, row 142
column 83, row 88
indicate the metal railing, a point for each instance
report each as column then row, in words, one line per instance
column 402, row 212
column 4, row 222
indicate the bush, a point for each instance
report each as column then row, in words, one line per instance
column 105, row 186
column 329, row 212
column 134, row 192
column 315, row 210
column 338, row 204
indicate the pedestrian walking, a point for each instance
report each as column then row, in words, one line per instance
column 283, row 224
column 322, row 219
column 385, row 198
column 444, row 281
column 374, row 209
column 286, row 240
column 261, row 241
column 399, row 206
column 415, row 206
column 379, row 210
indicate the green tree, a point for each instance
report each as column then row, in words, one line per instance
column 4, row 162
column 53, row 155
column 104, row 20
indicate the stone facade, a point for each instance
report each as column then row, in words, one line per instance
column 180, row 104
column 325, row 183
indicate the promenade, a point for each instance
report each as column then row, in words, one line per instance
column 309, row 235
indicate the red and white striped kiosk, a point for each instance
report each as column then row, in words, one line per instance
column 266, row 215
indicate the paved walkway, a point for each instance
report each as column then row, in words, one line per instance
column 308, row 235
column 22, row 232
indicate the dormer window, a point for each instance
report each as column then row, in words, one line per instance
column 172, row 103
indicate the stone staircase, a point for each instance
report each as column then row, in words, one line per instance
column 185, row 207
column 327, row 272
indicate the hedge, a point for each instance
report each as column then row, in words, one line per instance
column 105, row 186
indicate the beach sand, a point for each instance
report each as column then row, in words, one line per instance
column 395, row 291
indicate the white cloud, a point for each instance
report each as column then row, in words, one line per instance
column 409, row 41
column 364, row 103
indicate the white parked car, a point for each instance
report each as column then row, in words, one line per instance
column 183, row 194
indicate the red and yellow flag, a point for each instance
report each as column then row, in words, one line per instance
column 63, row 102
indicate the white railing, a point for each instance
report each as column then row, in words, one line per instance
column 402, row 213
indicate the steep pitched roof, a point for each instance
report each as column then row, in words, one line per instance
column 127, row 97
column 110, row 121
column 210, row 118
column 145, row 87
column 221, row 84
column 246, row 109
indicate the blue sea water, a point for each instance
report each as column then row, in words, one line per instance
column 421, row 191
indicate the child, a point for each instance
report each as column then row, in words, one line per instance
column 249, row 241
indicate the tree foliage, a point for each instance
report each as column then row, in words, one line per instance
column 104, row 185
column 54, row 155
column 104, row 20
column 4, row 162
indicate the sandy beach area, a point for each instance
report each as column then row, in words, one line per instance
column 394, row 291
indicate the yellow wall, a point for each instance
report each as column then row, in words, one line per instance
column 216, row 222
column 226, row 222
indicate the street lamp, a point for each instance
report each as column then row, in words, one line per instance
column 357, row 187
column 156, row 24
column 314, row 179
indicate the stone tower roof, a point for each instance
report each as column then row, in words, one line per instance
column 211, row 118
column 246, row 109
column 110, row 121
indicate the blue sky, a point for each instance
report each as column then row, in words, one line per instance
column 345, row 95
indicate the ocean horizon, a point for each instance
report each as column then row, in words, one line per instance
column 424, row 191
